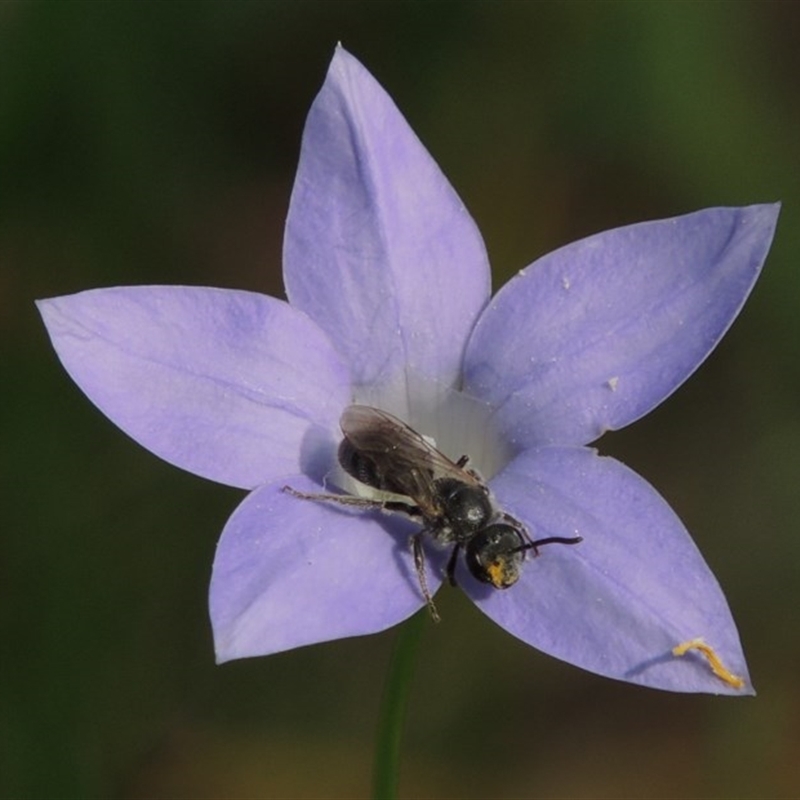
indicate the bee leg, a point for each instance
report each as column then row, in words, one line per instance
column 451, row 565
column 419, row 563
column 462, row 464
column 342, row 499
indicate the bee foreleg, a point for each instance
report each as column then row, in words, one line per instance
column 451, row 565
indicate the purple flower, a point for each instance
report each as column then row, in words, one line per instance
column 389, row 305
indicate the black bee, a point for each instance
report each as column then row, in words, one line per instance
column 449, row 500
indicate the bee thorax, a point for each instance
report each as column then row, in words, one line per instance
column 465, row 508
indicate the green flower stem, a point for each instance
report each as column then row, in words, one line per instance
column 393, row 711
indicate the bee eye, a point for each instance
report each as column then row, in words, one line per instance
column 494, row 556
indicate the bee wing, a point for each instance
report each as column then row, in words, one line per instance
column 415, row 463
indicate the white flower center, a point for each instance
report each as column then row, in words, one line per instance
column 457, row 424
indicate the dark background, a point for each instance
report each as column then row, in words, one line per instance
column 156, row 143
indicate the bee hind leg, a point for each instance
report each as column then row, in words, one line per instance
column 341, row 499
column 463, row 463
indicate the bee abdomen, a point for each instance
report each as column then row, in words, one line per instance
column 359, row 467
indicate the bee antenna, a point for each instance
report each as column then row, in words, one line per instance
column 549, row 540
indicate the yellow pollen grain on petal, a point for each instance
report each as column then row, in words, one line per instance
column 714, row 661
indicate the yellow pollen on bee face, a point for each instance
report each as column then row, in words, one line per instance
column 714, row 661
column 497, row 574
column 502, row 574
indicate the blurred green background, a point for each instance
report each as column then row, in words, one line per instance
column 156, row 143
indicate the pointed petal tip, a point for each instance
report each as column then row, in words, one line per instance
column 729, row 682
column 221, row 655
column 764, row 214
column 773, row 208
column 343, row 60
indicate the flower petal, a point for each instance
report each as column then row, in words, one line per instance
column 233, row 386
column 618, row 602
column 379, row 250
column 291, row 572
column 593, row 336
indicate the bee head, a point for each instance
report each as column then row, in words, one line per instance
column 494, row 555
